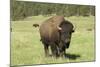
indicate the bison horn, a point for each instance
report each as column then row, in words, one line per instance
column 74, row 28
column 59, row 28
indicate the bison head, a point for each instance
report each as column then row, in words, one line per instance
column 65, row 30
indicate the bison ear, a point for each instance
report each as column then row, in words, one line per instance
column 73, row 31
column 59, row 28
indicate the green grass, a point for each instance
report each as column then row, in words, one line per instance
column 26, row 48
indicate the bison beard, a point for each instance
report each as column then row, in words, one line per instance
column 56, row 33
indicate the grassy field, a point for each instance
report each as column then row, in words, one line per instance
column 26, row 48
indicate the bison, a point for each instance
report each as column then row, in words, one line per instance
column 56, row 32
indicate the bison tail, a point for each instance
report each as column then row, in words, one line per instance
column 35, row 25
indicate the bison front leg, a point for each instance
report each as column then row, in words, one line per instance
column 54, row 50
column 62, row 50
column 62, row 54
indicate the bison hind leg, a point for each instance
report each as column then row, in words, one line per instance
column 46, row 46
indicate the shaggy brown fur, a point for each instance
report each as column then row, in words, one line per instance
column 51, row 35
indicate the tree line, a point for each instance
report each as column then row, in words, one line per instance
column 21, row 9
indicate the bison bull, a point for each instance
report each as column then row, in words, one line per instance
column 56, row 32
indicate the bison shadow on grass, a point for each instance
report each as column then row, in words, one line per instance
column 72, row 56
